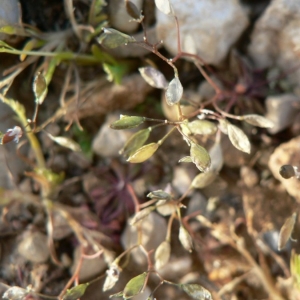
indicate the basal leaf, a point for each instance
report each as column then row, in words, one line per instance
column 127, row 122
column 134, row 286
column 238, row 138
column 143, row 153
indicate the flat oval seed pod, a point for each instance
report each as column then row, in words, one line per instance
column 286, row 231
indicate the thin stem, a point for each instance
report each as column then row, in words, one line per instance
column 166, row 136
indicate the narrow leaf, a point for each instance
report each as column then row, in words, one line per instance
column 65, row 142
column 143, row 153
column 134, row 286
column 200, row 157
column 159, row 194
column 196, row 291
column 76, row 292
column 135, row 142
column 39, row 88
column 154, row 77
column 286, row 231
column 132, row 10
column 164, row 6
column 112, row 38
column 186, row 159
column 174, row 91
column 238, row 138
column 162, row 254
column 258, row 121
column 141, row 215
column 185, row 239
column 127, row 122
column 203, row 179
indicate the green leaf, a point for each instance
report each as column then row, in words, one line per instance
column 13, row 29
column 202, row 127
column 76, row 292
column 40, row 88
column 133, row 11
column 112, row 38
column 159, row 194
column 127, row 122
column 115, row 73
column 196, row 291
column 258, row 121
column 134, row 286
column 162, row 254
column 154, row 77
column 203, row 179
column 238, row 138
column 186, row 159
column 200, row 157
column 286, row 231
column 174, row 91
column 143, row 153
column 135, row 142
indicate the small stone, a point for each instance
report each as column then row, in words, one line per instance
column 281, row 110
column 108, row 142
column 213, row 25
column 34, row 247
column 249, row 176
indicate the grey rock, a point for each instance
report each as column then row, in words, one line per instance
column 275, row 39
column 34, row 247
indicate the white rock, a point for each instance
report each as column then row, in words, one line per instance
column 34, row 247
column 108, row 142
column 281, row 110
column 9, row 13
column 213, row 25
column 89, row 267
column 119, row 18
column 276, row 40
